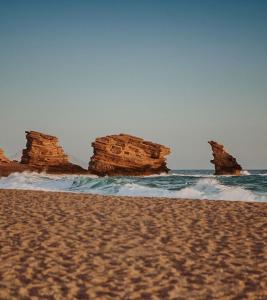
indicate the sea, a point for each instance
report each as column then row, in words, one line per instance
column 188, row 184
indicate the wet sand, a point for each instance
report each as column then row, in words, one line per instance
column 71, row 246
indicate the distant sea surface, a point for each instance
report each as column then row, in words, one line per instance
column 190, row 184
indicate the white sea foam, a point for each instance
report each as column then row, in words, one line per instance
column 203, row 188
column 38, row 181
column 214, row 190
column 133, row 189
column 205, row 175
column 193, row 175
column 32, row 181
column 245, row 172
column 158, row 175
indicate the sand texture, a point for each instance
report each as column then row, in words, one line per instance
column 70, row 246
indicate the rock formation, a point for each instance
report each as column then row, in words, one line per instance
column 124, row 154
column 7, row 166
column 3, row 158
column 225, row 164
column 44, row 154
column 42, row 150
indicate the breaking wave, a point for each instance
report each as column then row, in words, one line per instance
column 176, row 185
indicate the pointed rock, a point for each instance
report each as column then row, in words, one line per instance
column 3, row 158
column 225, row 164
column 123, row 154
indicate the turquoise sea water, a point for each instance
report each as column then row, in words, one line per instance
column 191, row 184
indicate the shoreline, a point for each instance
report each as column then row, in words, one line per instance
column 154, row 198
column 58, row 245
column 185, row 185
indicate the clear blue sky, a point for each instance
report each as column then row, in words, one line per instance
column 174, row 72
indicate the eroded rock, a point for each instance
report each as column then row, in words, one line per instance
column 3, row 158
column 43, row 153
column 124, row 154
column 43, row 150
column 225, row 164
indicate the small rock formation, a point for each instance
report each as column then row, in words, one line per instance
column 42, row 150
column 225, row 164
column 3, row 158
column 44, row 154
column 118, row 155
column 7, row 166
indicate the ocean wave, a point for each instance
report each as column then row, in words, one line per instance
column 209, row 189
column 209, row 174
column 212, row 189
column 161, row 186
column 157, row 175
column 38, row 181
column 193, row 175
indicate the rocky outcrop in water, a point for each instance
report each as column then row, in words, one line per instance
column 43, row 153
column 42, row 150
column 7, row 166
column 225, row 164
column 123, row 154
column 3, row 158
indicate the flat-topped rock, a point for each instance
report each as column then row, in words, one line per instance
column 43, row 153
column 3, row 158
column 225, row 164
column 43, row 150
column 123, row 154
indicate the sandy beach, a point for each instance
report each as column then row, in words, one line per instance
column 73, row 246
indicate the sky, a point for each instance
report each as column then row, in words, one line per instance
column 178, row 73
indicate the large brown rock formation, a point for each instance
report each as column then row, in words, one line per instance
column 124, row 154
column 43, row 153
column 225, row 164
column 3, row 158
column 42, row 150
